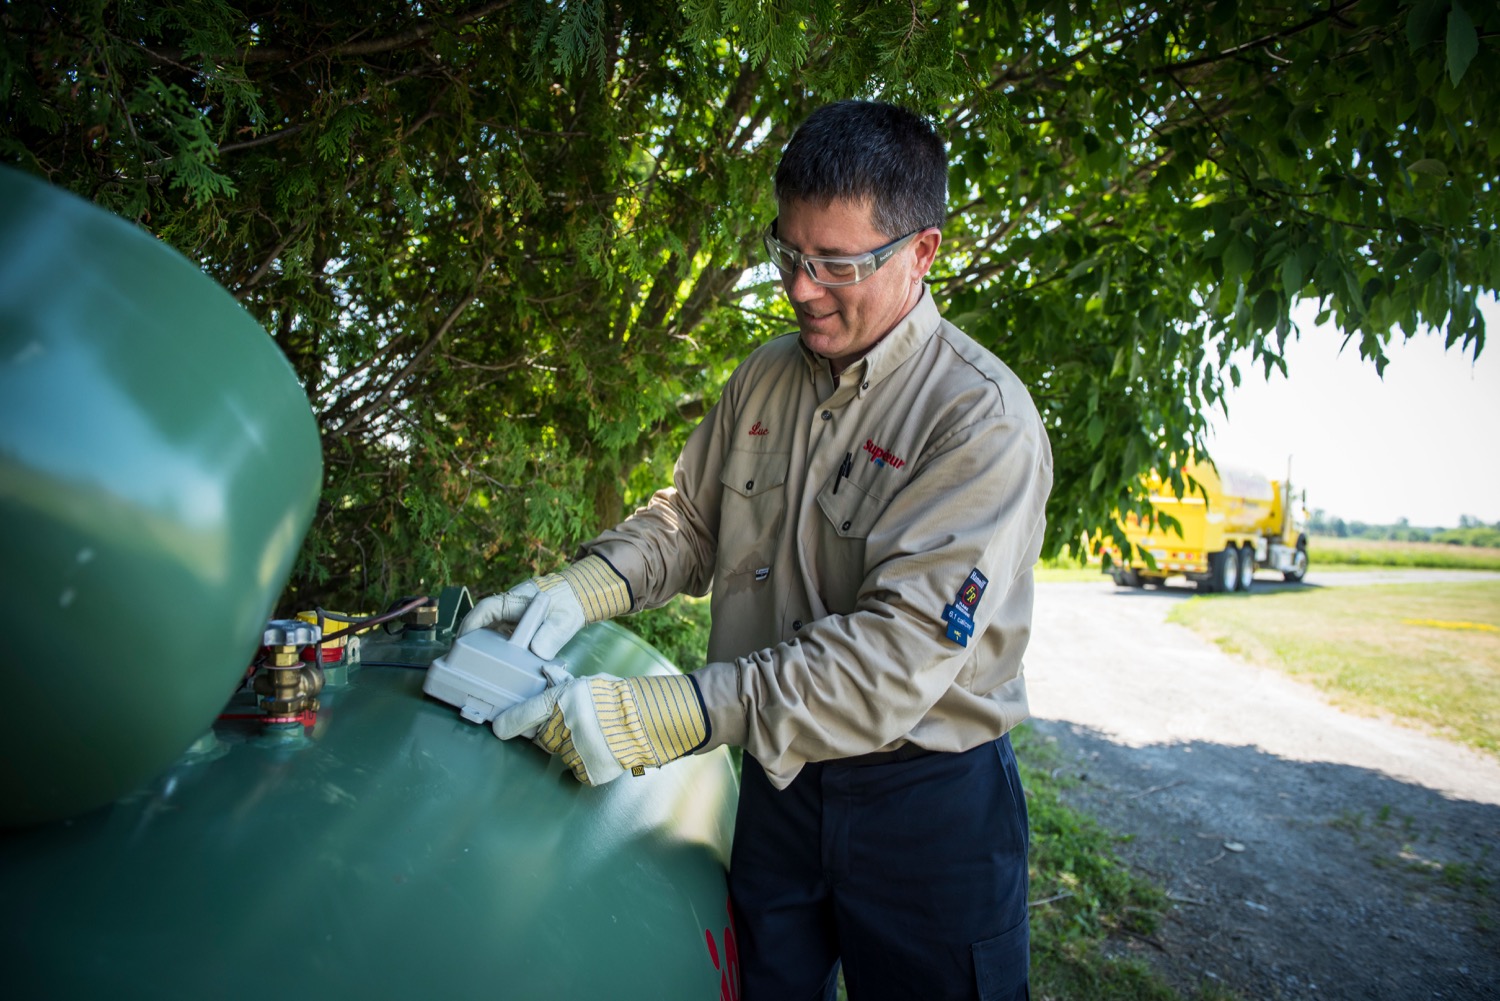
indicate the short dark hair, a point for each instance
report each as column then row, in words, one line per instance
column 869, row 151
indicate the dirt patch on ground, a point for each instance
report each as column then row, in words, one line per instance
column 1307, row 853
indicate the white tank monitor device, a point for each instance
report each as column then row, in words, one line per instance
column 485, row 673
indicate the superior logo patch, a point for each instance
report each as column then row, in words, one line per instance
column 960, row 614
column 881, row 456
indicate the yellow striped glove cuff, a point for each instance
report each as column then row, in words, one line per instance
column 600, row 589
column 650, row 721
column 558, row 739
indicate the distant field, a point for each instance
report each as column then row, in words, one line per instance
column 1427, row 653
column 1326, row 551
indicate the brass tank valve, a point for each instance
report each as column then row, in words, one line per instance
column 287, row 683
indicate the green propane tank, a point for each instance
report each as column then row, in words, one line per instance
column 391, row 850
column 324, row 830
column 159, row 466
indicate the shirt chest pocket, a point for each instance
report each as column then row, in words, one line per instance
column 753, row 511
column 849, row 515
column 850, row 510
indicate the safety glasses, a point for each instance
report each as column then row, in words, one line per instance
column 832, row 271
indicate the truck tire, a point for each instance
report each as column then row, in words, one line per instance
column 1127, row 578
column 1223, row 572
column 1246, row 568
column 1299, row 564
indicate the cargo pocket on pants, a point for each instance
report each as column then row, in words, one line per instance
column 1002, row 965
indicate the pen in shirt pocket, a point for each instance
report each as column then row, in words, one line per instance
column 844, row 470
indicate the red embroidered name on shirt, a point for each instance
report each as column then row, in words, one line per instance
column 881, row 457
column 758, row 430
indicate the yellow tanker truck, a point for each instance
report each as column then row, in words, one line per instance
column 1232, row 522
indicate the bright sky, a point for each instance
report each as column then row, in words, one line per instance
column 1420, row 443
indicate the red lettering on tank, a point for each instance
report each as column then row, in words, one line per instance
column 729, row 969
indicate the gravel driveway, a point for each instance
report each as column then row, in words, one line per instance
column 1308, row 852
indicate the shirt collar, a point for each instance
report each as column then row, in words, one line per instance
column 910, row 333
column 905, row 338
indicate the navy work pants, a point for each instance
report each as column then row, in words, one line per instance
column 911, row 873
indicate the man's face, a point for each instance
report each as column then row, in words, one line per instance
column 843, row 323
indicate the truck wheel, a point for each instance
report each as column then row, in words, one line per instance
column 1223, row 571
column 1127, row 578
column 1246, row 563
column 1299, row 564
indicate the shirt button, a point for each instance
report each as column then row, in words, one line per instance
column 828, row 415
column 797, row 624
column 846, row 525
column 864, row 385
column 749, row 484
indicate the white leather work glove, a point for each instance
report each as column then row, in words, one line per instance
column 602, row 725
column 588, row 591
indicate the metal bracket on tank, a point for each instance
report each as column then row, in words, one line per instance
column 453, row 604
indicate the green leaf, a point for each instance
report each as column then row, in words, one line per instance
column 1424, row 22
column 1266, row 310
column 1463, row 42
column 1292, row 277
column 1214, row 245
column 1456, row 207
column 1238, row 257
column 1083, row 267
column 1428, row 165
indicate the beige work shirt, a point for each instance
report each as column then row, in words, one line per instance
column 835, row 521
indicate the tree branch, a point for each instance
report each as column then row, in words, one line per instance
column 1335, row 11
column 265, row 265
column 377, row 405
column 261, row 140
column 375, row 46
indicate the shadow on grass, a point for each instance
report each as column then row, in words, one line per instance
column 1285, row 877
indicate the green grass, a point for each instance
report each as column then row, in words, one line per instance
column 1068, row 568
column 1428, row 654
column 1393, row 842
column 1328, row 551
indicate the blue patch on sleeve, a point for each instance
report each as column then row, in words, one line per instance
column 960, row 614
column 960, row 624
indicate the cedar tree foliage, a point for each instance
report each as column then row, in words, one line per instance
column 511, row 247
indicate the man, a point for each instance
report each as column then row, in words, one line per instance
column 867, row 501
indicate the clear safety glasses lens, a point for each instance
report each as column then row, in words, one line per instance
column 832, row 271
